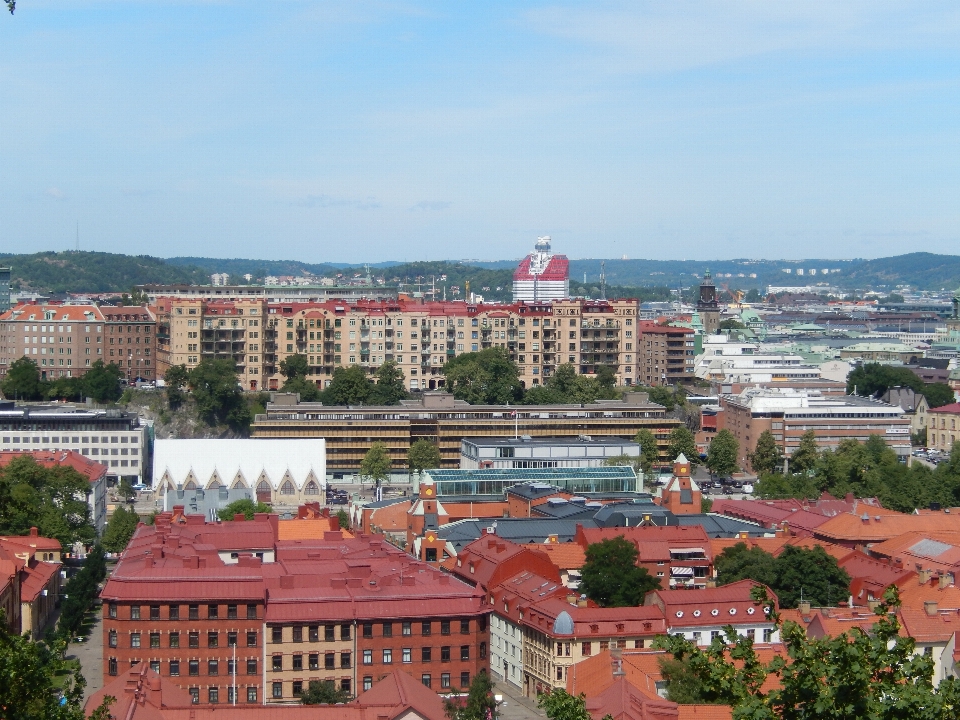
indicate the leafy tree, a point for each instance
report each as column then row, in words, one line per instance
column 488, row 377
column 80, row 592
column 54, row 500
column 217, row 394
column 423, row 455
column 343, row 517
column 731, row 324
column 855, row 675
column 662, row 395
column 64, row 388
column 741, row 563
column 706, row 504
column 121, row 527
column 568, row 386
column 102, row 382
column 376, row 463
column 22, row 381
column 558, row 704
column 872, row 379
column 767, row 455
column 938, row 394
column 682, row 443
column 610, row 576
column 246, row 506
column 649, row 450
column 753, row 296
column 348, row 386
column 806, row 455
column 295, row 369
column 175, row 379
column 324, row 692
column 811, row 572
column 389, row 389
column 606, row 377
column 479, row 704
column 294, row 366
column 722, row 454
column 125, row 489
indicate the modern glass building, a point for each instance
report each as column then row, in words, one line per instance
column 496, row 481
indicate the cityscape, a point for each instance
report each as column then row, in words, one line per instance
column 568, row 362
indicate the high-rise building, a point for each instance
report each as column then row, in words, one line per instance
column 708, row 306
column 542, row 275
column 4, row 288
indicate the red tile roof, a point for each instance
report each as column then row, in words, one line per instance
column 951, row 409
column 35, row 579
column 728, row 604
column 91, row 469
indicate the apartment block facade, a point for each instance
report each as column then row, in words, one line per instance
column 666, row 355
column 260, row 625
column 66, row 340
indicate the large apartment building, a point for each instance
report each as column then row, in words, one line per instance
column 445, row 422
column 665, row 355
column 66, row 340
column 234, row 611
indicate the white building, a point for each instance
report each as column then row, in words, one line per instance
column 541, row 275
column 280, row 471
column 530, row 452
column 726, row 360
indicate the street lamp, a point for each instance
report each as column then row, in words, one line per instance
column 498, row 703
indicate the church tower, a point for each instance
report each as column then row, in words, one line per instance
column 708, row 307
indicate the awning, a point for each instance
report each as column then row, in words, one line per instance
column 685, row 551
column 681, row 572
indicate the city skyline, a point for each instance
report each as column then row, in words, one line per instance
column 354, row 132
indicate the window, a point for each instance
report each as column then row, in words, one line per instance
column 112, row 638
column 483, row 650
column 426, row 627
column 445, row 653
column 175, row 668
column 406, row 628
column 213, row 639
column 407, row 655
column 313, row 661
column 174, row 611
column 154, row 639
column 277, row 634
column 298, row 662
column 464, row 652
column 297, row 687
column 154, row 612
column 367, row 682
column 426, row 679
column 251, row 612
column 135, row 640
column 193, row 639
column 195, row 695
column 232, row 639
column 464, row 627
column 213, row 695
column 768, row 635
column 252, row 638
column 213, row 667
column 278, row 690
column 388, row 629
column 314, row 633
column 251, row 666
column 465, row 679
column 112, row 610
column 298, row 633
column 585, row 649
column 134, row 612
column 368, row 657
column 193, row 667
column 231, row 612
column 328, row 633
column 345, row 660
column 368, row 630
column 277, row 663
column 445, row 680
column 425, row 654
column 387, row 656
column 213, row 611
column 112, row 666
column 251, row 694
column 194, row 612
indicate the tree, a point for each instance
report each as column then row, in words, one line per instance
column 343, row 517
column 938, row 394
column 246, row 507
column 295, row 369
column 566, row 385
column 767, row 455
column 873, row 379
column 217, row 394
column 811, row 573
column 649, row 450
column 488, row 377
column 610, row 576
column 390, row 388
column 121, row 527
column 682, row 443
column 731, row 324
column 479, row 705
column 22, row 381
column 558, row 704
column 806, row 455
column 324, row 692
column 876, row 674
column 102, row 382
column 175, row 379
column 376, row 463
column 80, row 592
column 294, row 366
column 753, row 296
column 742, row 563
column 423, row 455
column 722, row 454
column 349, row 386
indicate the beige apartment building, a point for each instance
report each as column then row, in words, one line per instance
column 66, row 340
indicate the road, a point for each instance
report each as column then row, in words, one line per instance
column 515, row 706
column 90, row 655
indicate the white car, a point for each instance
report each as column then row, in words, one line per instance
column 748, row 489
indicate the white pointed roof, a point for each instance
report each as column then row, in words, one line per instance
column 251, row 457
column 682, row 459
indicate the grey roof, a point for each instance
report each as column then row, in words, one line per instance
column 566, row 510
column 632, row 514
column 387, row 502
column 563, row 625
column 532, row 490
column 929, row 548
column 518, row 530
column 582, row 440
column 719, row 526
column 205, row 502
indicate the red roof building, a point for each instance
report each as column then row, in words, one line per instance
column 187, row 595
column 29, row 581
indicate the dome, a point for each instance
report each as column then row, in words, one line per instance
column 563, row 625
column 543, row 244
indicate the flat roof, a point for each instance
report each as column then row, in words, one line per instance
column 525, row 441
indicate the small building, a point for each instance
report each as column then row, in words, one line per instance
column 944, row 427
column 29, row 582
column 281, row 471
column 882, row 353
column 535, row 453
column 913, row 404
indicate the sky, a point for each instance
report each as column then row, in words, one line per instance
column 370, row 131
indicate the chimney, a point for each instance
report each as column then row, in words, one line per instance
column 33, row 532
column 930, row 607
column 942, row 580
column 805, row 608
column 923, row 576
column 239, row 517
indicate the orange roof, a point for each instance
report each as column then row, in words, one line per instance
column 308, row 529
column 91, row 469
column 566, row 556
column 914, row 595
column 392, row 518
column 705, row 712
column 808, row 543
column 847, row 527
column 925, row 627
column 474, row 510
column 770, row 545
column 30, row 311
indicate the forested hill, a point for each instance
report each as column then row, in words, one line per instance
column 53, row 272
column 62, row 272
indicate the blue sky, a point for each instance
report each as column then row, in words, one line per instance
column 415, row 130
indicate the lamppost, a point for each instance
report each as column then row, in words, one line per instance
column 498, row 703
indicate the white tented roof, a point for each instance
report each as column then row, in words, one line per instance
column 251, row 457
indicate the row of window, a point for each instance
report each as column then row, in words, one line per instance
column 313, row 661
column 193, row 611
column 173, row 639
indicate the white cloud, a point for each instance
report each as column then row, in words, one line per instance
column 56, row 193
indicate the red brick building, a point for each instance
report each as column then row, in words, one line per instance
column 665, row 354
column 187, row 597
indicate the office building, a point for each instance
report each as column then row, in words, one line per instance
column 529, row 452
